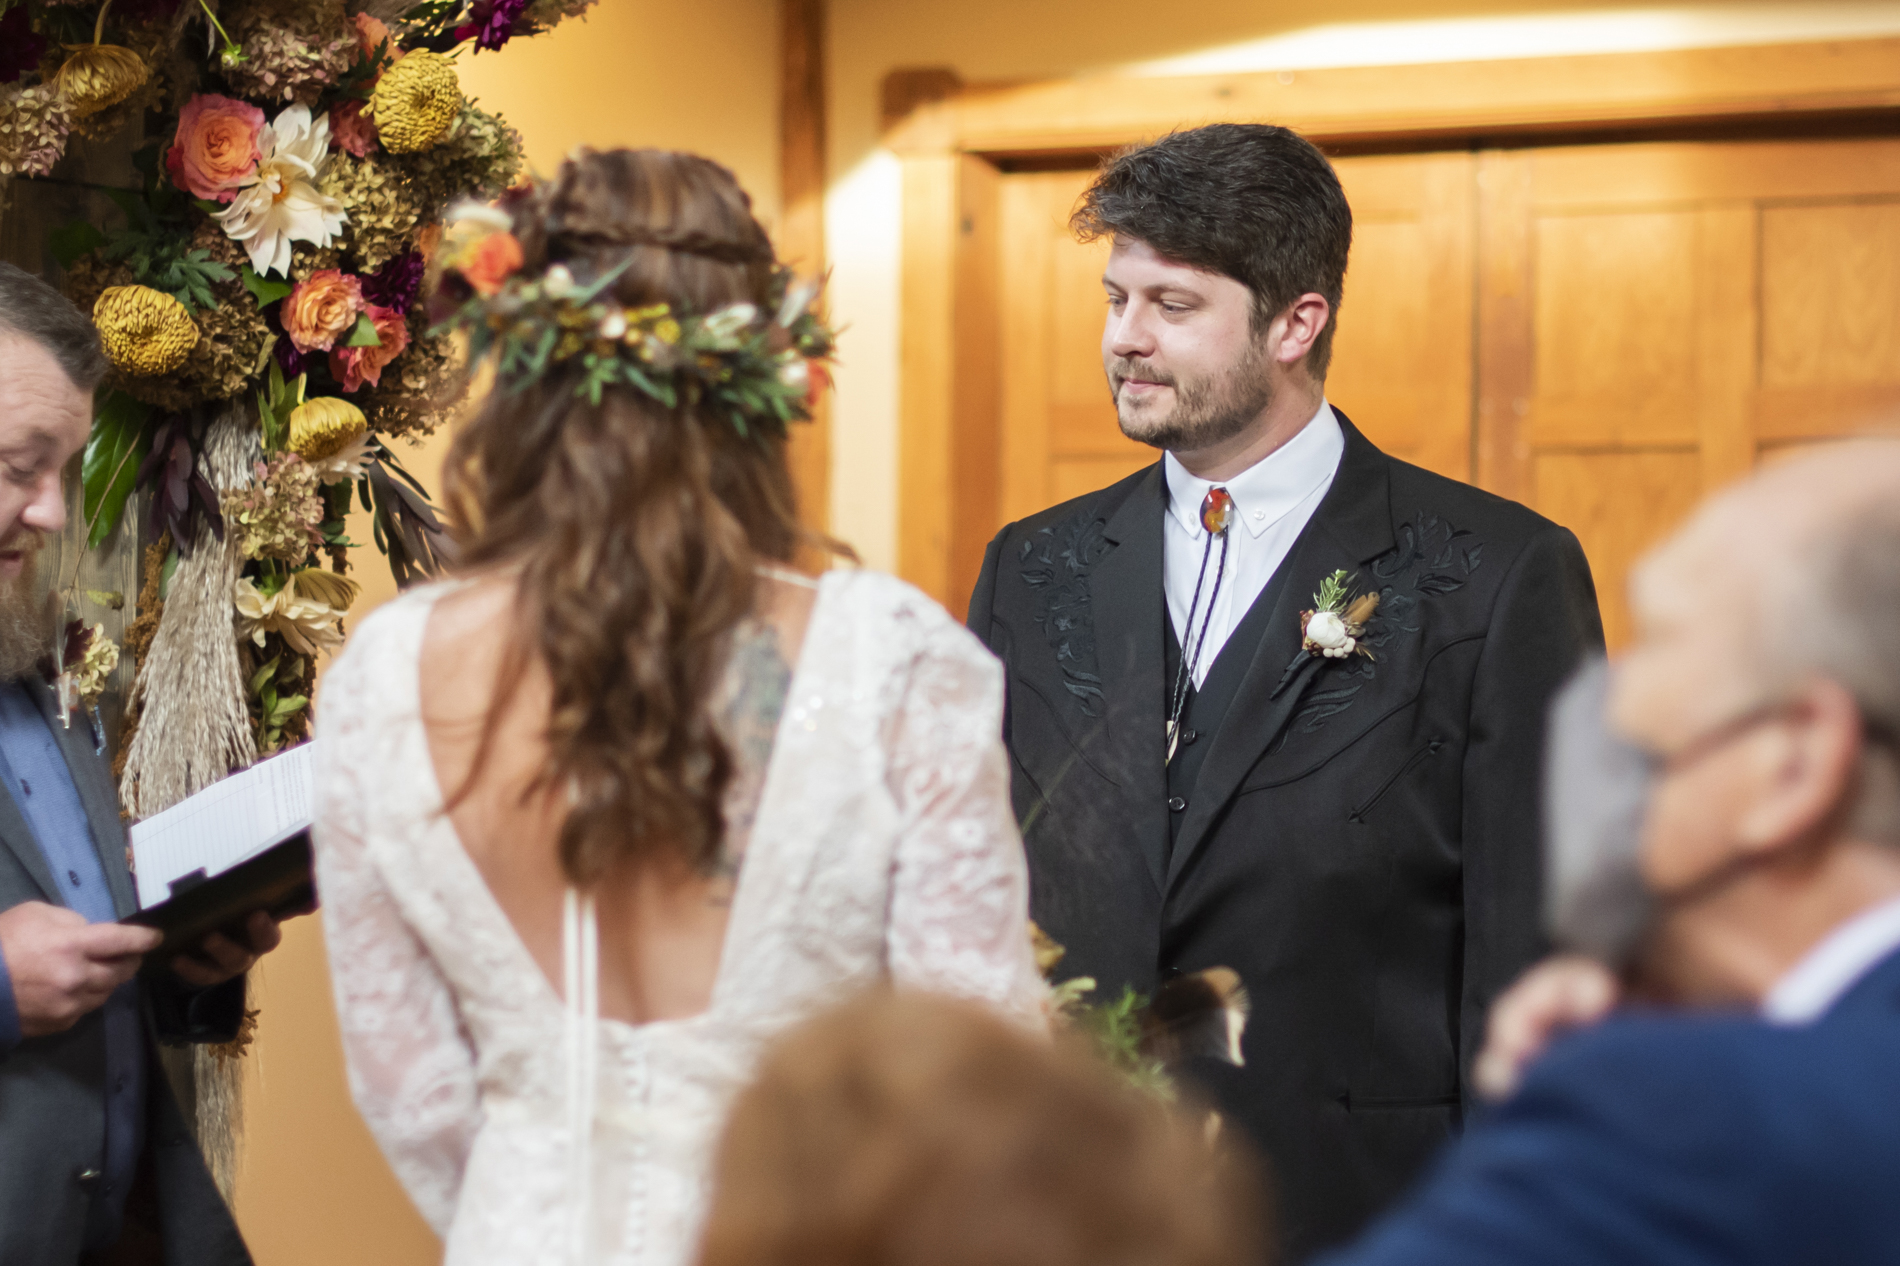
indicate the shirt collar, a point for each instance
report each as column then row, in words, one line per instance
column 1812, row 986
column 1268, row 490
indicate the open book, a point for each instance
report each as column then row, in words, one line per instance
column 240, row 845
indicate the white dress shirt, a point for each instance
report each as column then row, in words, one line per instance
column 1812, row 986
column 1273, row 499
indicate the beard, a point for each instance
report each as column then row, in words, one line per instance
column 1207, row 411
column 23, row 633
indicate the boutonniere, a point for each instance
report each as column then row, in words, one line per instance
column 1338, row 619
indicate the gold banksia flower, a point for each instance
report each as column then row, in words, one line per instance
column 99, row 76
column 415, row 101
column 144, row 331
column 325, row 427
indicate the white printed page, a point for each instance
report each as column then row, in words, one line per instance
column 224, row 824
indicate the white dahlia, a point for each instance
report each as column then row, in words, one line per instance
column 279, row 203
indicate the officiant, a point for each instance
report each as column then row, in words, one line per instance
column 96, row 1164
column 1276, row 701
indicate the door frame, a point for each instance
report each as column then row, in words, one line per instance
column 954, row 143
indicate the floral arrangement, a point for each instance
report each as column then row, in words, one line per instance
column 753, row 368
column 257, row 292
column 269, row 264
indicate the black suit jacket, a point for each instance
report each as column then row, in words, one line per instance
column 1361, row 844
column 53, row 1091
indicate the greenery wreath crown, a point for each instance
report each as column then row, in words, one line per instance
column 756, row 369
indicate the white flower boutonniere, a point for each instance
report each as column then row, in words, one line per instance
column 1338, row 619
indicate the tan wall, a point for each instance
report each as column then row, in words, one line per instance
column 314, row 1190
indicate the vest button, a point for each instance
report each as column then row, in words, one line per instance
column 1190, row 736
column 87, row 1177
column 1176, row 803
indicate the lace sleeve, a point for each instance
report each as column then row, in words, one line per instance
column 959, row 920
column 412, row 1070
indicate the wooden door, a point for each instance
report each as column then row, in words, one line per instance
column 1655, row 319
column 1401, row 361
column 1605, row 333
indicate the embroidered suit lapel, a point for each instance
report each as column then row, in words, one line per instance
column 97, row 795
column 1352, row 526
column 1125, row 597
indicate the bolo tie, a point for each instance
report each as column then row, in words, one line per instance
column 1217, row 512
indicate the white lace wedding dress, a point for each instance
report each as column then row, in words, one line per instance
column 883, row 848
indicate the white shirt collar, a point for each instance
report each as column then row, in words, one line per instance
column 1266, row 491
column 1813, row 985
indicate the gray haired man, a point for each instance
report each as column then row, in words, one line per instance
column 96, row 1165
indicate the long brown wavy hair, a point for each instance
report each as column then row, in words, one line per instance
column 634, row 529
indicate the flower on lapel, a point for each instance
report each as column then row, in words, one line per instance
column 1338, row 619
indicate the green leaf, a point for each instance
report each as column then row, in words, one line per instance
column 363, row 333
column 262, row 676
column 71, row 243
column 209, row 207
column 166, row 572
column 262, row 289
column 113, row 453
column 110, row 599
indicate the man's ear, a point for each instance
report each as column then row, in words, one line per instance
column 1296, row 329
column 1807, row 771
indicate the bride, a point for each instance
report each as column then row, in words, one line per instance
column 632, row 794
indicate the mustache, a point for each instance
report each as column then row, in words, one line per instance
column 31, row 540
column 1125, row 368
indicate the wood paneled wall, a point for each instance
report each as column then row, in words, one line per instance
column 1604, row 328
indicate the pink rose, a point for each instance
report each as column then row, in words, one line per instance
column 322, row 309
column 351, row 129
column 354, row 366
column 216, row 146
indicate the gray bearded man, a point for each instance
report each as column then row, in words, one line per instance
column 96, row 1165
column 1276, row 702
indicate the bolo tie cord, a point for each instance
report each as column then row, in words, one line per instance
column 1217, row 512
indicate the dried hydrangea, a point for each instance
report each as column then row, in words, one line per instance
column 280, row 516
column 292, row 52
column 543, row 14
column 384, row 209
column 478, row 157
column 421, row 390
column 34, row 124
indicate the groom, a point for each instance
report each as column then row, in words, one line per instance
column 1276, row 702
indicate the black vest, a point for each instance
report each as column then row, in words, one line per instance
column 1207, row 707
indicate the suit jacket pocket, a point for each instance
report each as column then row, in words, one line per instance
column 1412, row 762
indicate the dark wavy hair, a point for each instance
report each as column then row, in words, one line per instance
column 635, row 528
column 1249, row 200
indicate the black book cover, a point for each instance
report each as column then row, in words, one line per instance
column 279, row 880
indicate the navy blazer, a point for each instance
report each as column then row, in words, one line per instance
column 1680, row 1140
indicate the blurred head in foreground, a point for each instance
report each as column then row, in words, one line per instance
column 907, row 1130
column 1760, row 705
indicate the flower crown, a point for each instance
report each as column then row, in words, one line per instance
column 753, row 368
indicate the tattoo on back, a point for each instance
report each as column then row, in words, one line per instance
column 747, row 710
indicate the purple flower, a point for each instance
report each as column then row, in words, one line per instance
column 21, row 49
column 396, row 283
column 491, row 22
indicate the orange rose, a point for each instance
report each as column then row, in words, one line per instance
column 372, row 34
column 490, row 262
column 215, row 147
column 354, row 366
column 322, row 309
